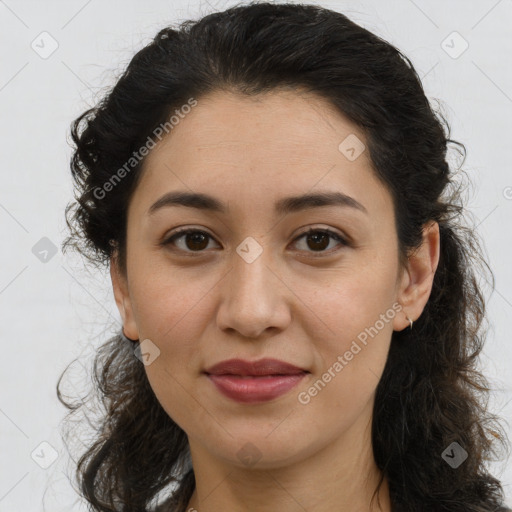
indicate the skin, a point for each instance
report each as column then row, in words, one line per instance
column 286, row 304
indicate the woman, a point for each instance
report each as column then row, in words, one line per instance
column 301, row 316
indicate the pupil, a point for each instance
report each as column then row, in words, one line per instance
column 315, row 238
column 196, row 239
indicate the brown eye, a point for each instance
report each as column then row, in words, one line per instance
column 194, row 240
column 318, row 239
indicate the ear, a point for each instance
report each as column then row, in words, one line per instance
column 122, row 297
column 416, row 285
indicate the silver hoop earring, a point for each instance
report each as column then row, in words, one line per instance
column 411, row 322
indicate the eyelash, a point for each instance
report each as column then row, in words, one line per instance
column 185, row 231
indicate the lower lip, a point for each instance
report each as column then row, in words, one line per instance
column 255, row 389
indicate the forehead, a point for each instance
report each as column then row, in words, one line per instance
column 281, row 124
column 266, row 146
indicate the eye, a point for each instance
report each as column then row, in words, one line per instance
column 320, row 239
column 196, row 240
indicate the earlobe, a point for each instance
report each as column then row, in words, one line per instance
column 418, row 278
column 122, row 298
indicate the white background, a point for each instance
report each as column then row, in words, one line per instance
column 55, row 311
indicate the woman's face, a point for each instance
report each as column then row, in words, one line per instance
column 251, row 285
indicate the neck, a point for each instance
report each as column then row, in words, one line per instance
column 342, row 476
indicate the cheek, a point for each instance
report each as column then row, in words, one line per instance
column 350, row 367
column 173, row 317
column 174, row 391
column 169, row 302
column 351, row 302
column 357, row 316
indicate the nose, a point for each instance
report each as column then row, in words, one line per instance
column 254, row 299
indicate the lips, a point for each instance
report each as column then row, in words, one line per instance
column 254, row 368
column 254, row 382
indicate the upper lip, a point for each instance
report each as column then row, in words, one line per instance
column 261, row 367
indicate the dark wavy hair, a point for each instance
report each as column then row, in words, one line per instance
column 431, row 393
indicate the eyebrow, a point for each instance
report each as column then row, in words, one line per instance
column 283, row 206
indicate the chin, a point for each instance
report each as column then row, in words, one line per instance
column 262, row 451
